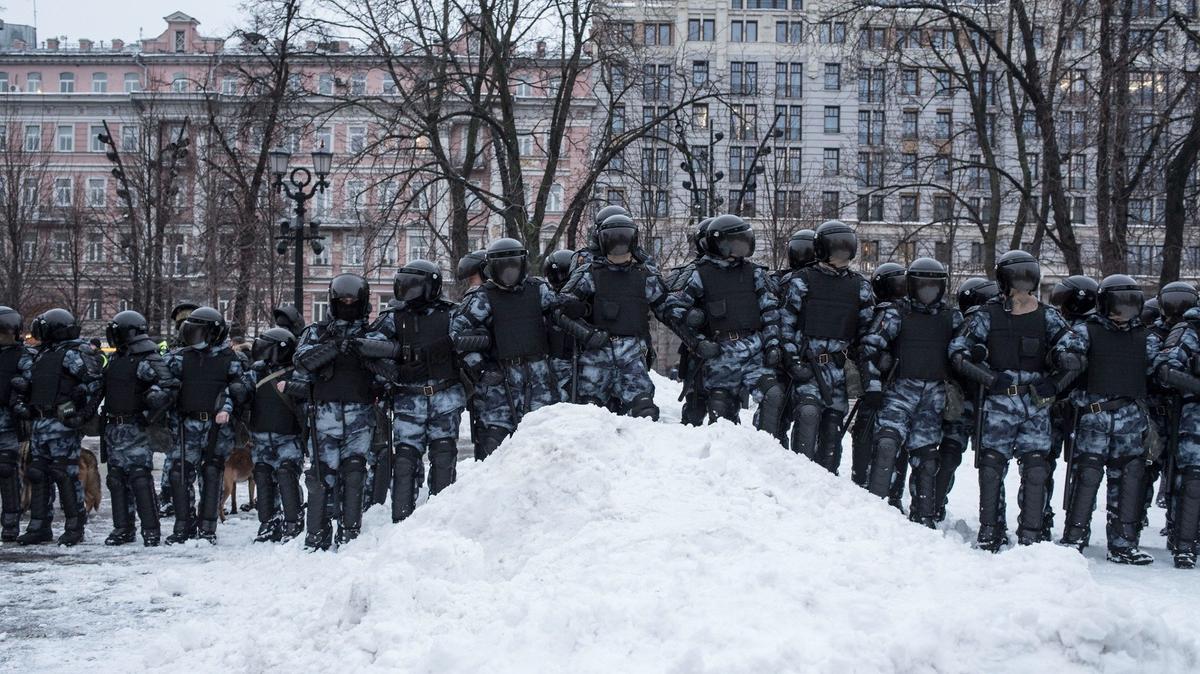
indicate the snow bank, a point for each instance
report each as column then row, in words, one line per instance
column 593, row 543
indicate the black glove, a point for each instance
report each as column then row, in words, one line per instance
column 573, row 307
column 871, row 400
column 799, row 371
column 773, row 356
column 1045, row 388
column 694, row 318
column 79, row 395
column 596, row 340
column 706, row 348
column 1001, row 383
column 157, row 399
column 21, row 411
column 489, row 377
column 318, row 357
column 978, row 353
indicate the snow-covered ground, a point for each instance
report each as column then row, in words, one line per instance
column 592, row 543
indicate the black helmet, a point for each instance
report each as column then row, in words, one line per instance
column 888, row 282
column 835, row 241
column 56, row 325
column 800, row 249
column 124, row 327
column 289, row 317
column 1075, row 296
column 180, row 312
column 1150, row 312
column 204, row 327
column 11, row 323
column 1018, row 270
column 418, row 282
column 507, row 262
column 275, row 346
column 1120, row 298
column 470, row 264
column 349, row 297
column 926, row 281
column 609, row 211
column 1174, row 299
column 701, row 240
column 730, row 236
column 617, row 235
column 558, row 267
column 976, row 291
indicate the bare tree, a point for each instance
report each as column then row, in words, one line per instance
column 24, row 190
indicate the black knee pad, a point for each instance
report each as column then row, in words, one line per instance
column 8, row 464
column 408, row 460
column 139, row 473
column 590, row 400
column 354, row 465
column 883, row 467
column 951, row 447
column 58, row 468
column 643, row 406
column 723, row 404
column 117, row 479
column 1035, row 468
column 288, row 470
column 263, row 473
column 771, row 408
column 1189, row 482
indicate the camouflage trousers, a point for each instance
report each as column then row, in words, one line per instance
column 419, row 419
column 528, row 386
column 198, row 436
column 1113, row 435
column 737, row 368
column 564, row 372
column 616, row 371
column 127, row 446
column 274, row 449
column 958, row 431
column 835, row 383
column 1016, row 425
column 912, row 410
column 51, row 442
column 343, row 430
column 1189, row 436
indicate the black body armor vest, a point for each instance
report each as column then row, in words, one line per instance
column 205, row 376
column 430, row 337
column 1116, row 362
column 831, row 305
column 122, row 389
column 270, row 412
column 52, row 384
column 730, row 302
column 619, row 305
column 923, row 344
column 1017, row 342
column 10, row 361
column 518, row 329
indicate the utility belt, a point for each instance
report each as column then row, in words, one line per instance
column 199, row 416
column 427, row 389
column 1014, row 390
column 522, row 360
column 1106, row 406
column 135, row 418
column 838, row 358
column 732, row 335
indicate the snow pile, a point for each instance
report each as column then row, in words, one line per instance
column 593, row 543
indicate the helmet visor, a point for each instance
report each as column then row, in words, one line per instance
column 409, row 286
column 800, row 253
column 738, row 243
column 927, row 291
column 841, row 247
column 194, row 334
column 507, row 271
column 1123, row 305
column 617, row 240
column 1173, row 304
column 264, row 349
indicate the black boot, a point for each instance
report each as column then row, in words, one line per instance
column 807, row 428
column 320, row 531
column 10, row 496
column 992, row 534
column 212, row 484
column 862, row 449
column 404, row 482
column 490, row 442
column 1186, row 523
column 353, row 472
column 381, row 473
column 287, row 480
column 950, row 455
column 166, row 506
column 1127, row 491
column 443, row 464
column 1087, row 472
column 829, row 440
column 38, row 531
column 896, row 491
column 1032, row 520
column 73, row 515
column 118, row 494
column 183, row 475
column 141, row 482
column 924, row 487
column 264, row 486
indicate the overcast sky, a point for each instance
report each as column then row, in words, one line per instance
column 108, row 19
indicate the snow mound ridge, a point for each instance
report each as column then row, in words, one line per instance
column 596, row 543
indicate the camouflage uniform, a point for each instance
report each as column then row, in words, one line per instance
column 910, row 417
column 10, row 480
column 1013, row 425
column 203, row 444
column 695, row 400
column 739, row 367
column 1181, row 352
column 508, row 389
column 1112, row 439
column 54, row 446
column 619, row 369
column 276, row 436
column 819, row 398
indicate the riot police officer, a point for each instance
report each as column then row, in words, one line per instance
column 342, row 387
column 12, row 350
column 276, row 433
column 138, row 389
column 59, row 389
column 470, row 270
column 695, row 401
column 289, row 318
column 888, row 287
column 210, row 384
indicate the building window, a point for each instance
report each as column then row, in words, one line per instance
column 324, row 138
column 179, row 42
column 870, row 127
column 942, row 124
column 743, row 78
column 3, row 82
column 418, row 246
column 63, row 196
column 941, row 82
column 179, row 83
column 657, row 33
column 789, row 32
column 831, row 32
column 99, row 83
column 357, row 136
column 909, row 208
column 656, row 82
column 65, row 138
column 910, row 81
column 699, row 73
column 702, row 30
column 229, row 85
column 66, row 83
column 908, row 124
column 320, row 308
column 941, row 208
column 97, row 192
column 789, row 120
column 833, row 119
column 352, row 250
column 908, row 166
column 33, row 138
column 325, row 84
column 129, row 138
column 789, row 80
column 743, row 31
column 870, row 85
column 1078, row 210
column 554, row 201
column 831, row 205
column 833, row 76
column 133, row 83
column 358, row 84
column 787, row 164
column 869, row 250
column 700, row 116
column 33, row 83
column 743, row 121
column 95, row 247
column 831, row 161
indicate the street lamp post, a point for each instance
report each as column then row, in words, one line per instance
column 297, row 189
column 704, row 160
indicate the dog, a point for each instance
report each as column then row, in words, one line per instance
column 238, row 468
column 89, row 479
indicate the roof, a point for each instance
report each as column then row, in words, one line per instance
column 179, row 17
